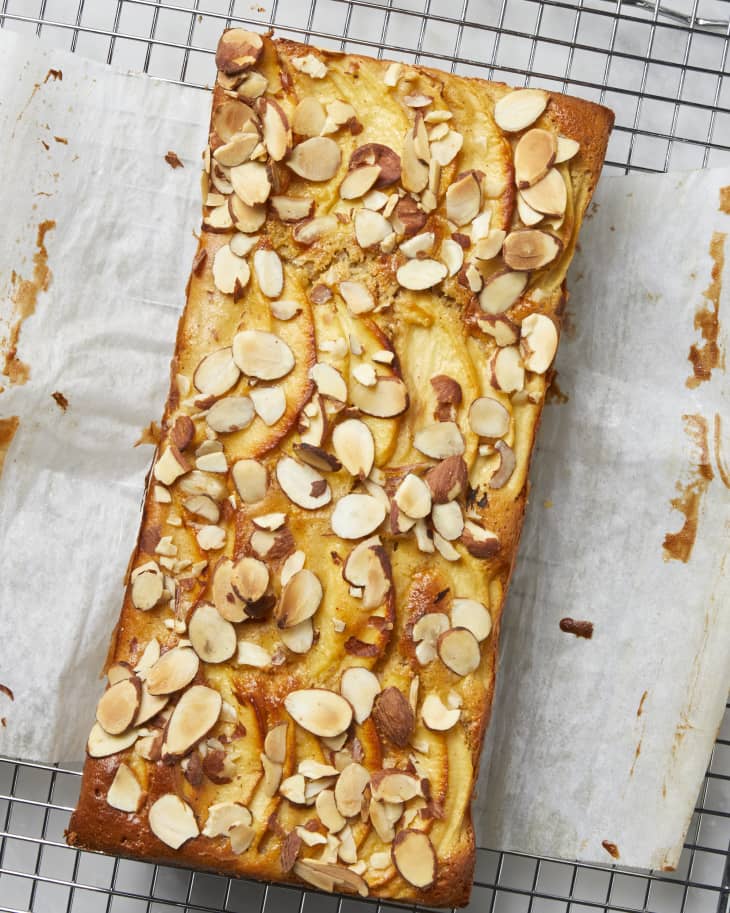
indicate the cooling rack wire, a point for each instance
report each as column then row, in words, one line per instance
column 664, row 71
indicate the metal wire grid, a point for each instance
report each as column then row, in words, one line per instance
column 668, row 81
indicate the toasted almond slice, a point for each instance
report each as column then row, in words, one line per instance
column 439, row 440
column 418, row 244
column 311, row 65
column 230, row 414
column 447, row 480
column 507, row 369
column 489, row 247
column 356, row 516
column 437, row 716
column 417, row 275
column 359, row 181
column 231, row 118
column 149, row 706
column 504, row 331
column 302, row 484
column 248, row 580
column 300, row 599
column 530, row 248
column 172, row 821
column 147, row 588
column 459, row 651
column 242, row 244
column 315, row 770
column 170, row 465
column 285, row 309
column 539, row 342
column 316, row 159
column 253, row 86
column 393, row 785
column 414, row 167
column 117, row 672
column 269, row 272
column 101, row 744
column 321, row 712
column 250, row 654
column 294, row 563
column 309, row 117
column 211, row 538
column 247, row 219
column 251, row 183
column 357, row 565
column 202, row 483
column 463, row 199
column 317, row 458
column 413, row 497
column 251, row 480
column 519, row 109
column 448, row 520
column 388, row 398
column 479, row 542
column 292, row 209
column 195, row 714
column 452, row 254
column 528, row 216
column 275, row 743
column 371, row 227
column 272, row 521
column 472, row 615
column 357, row 297
column 219, row 180
column 272, row 775
column 262, row 355
column 269, row 404
column 445, row 150
column 549, row 195
column 238, row 49
column 567, row 148
column 173, row 671
column 365, row 374
column 216, row 373
column 125, row 793
column 329, row 381
column 445, row 548
column 350, row 788
column 222, row 816
column 360, row 687
column 328, row 812
column 381, row 820
column 299, row 639
column 414, row 857
column 275, row 128
column 237, row 149
column 118, row 705
column 212, row 462
column 501, row 291
column 312, row 230
column 213, row 638
column 488, row 417
column 328, row 876
column 426, row 633
column 534, row 156
column 355, row 448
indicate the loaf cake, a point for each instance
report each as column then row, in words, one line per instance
column 302, row 673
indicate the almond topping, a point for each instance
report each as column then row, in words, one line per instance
column 567, row 148
column 223, row 816
column 349, row 789
column 238, row 49
column 448, row 480
column 216, row 373
column 448, row 520
column 445, row 150
column 101, row 745
column 262, row 355
column 125, row 793
column 230, row 118
column 269, row 404
column 173, row 671
column 488, row 417
column 415, row 158
column 329, row 381
column 472, row 615
column 507, row 464
column 275, row 743
column 519, row 109
column 530, row 248
column 237, row 149
column 245, row 218
column 360, row 687
column 365, row 374
column 388, row 398
column 426, row 632
column 312, row 230
column 437, row 716
column 328, row 876
column 507, row 370
column 251, row 183
column 393, row 785
column 459, row 650
column 147, row 586
column 501, row 291
column 445, row 548
column 417, row 275
column 213, row 638
column 249, row 579
column 418, row 244
column 309, row 117
column 439, row 440
column 370, row 227
column 489, row 247
column 276, row 132
column 463, row 199
column 195, row 714
column 292, row 209
column 356, row 516
column 172, row 821
column 250, row 654
column 170, row 465
column 269, row 272
column 528, row 216
column 299, row 639
column 230, row 414
column 359, row 181
column 328, row 812
column 317, row 458
column 357, row 565
column 321, row 712
column 452, row 255
column 316, row 159
column 534, row 156
column 311, row 65
column 479, row 542
column 253, row 86
column 118, row 705
column 272, row 775
column 302, row 484
column 504, row 331
column 539, row 342
column 285, row 309
column 393, row 716
column 251, row 480
column 300, row 599
column 549, row 195
column 414, row 857
column 413, row 497
column 357, row 297
column 242, row 244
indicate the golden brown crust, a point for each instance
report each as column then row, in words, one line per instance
column 413, row 328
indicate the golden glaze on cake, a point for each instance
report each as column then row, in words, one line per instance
column 303, row 670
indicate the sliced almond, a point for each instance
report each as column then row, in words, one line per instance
column 426, row 632
column 195, row 714
column 528, row 216
column 479, row 542
column 311, row 65
column 275, row 126
column 316, row 159
column 118, row 705
column 414, row 858
column 170, row 465
column 534, row 156
column 173, row 671
column 350, row 788
column 269, row 403
column 317, row 458
column 388, row 398
column 519, row 109
column 101, row 744
column 251, row 480
column 418, row 244
column 360, row 687
column 489, row 247
column 328, row 876
column 242, row 244
column 459, row 651
column 312, row 230
column 309, row 117
column 357, row 564
column 507, row 369
column 329, row 381
column 125, row 793
column 302, row 484
column 394, row 786
column 321, row 712
column 549, row 195
column 294, row 563
column 488, row 417
column 117, row 672
column 452, row 254
column 437, row 716
column 445, row 150
column 365, row 374
column 212, row 637
column 539, row 342
column 417, row 275
column 231, row 118
column 253, row 86
column 222, row 816
column 251, row 183
column 272, row 775
column 357, row 297
column 472, row 615
column 371, row 227
column 230, row 414
column 172, row 821
column 216, row 373
column 262, row 355
column 149, row 706
column 203, row 506
column 415, row 158
column 244, row 217
column 292, row 209
column 269, row 272
column 300, row 599
column 356, row 516
column 275, row 743
column 353, row 443
column 285, row 309
column 251, row 654
column 413, row 497
column 316, row 426
column 202, row 483
column 504, row 331
column 248, row 581
column 147, row 587
column 238, row 49
column 237, row 149
column 463, row 199
column 445, row 548
column 507, row 464
column 384, row 157
column 328, row 812
column 567, row 148
column 439, row 440
column 501, row 291
column 299, row 638
column 448, row 480
column 359, row 181
column 211, row 538
column 448, row 520
column 381, row 820
column 530, row 248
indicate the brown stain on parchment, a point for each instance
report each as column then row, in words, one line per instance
column 722, row 469
column 640, row 708
column 553, row 394
column 611, row 848
column 8, row 427
column 725, row 200
column 708, row 356
column 690, row 491
column 172, row 160
column 60, row 400
column 25, row 297
column 637, row 752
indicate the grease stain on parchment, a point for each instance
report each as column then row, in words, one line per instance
column 553, row 394
column 611, row 848
column 690, row 490
column 725, row 200
column 706, row 357
column 8, row 427
column 25, row 297
column 722, row 469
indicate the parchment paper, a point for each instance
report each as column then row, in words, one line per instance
column 592, row 740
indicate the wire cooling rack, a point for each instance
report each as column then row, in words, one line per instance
column 664, row 71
